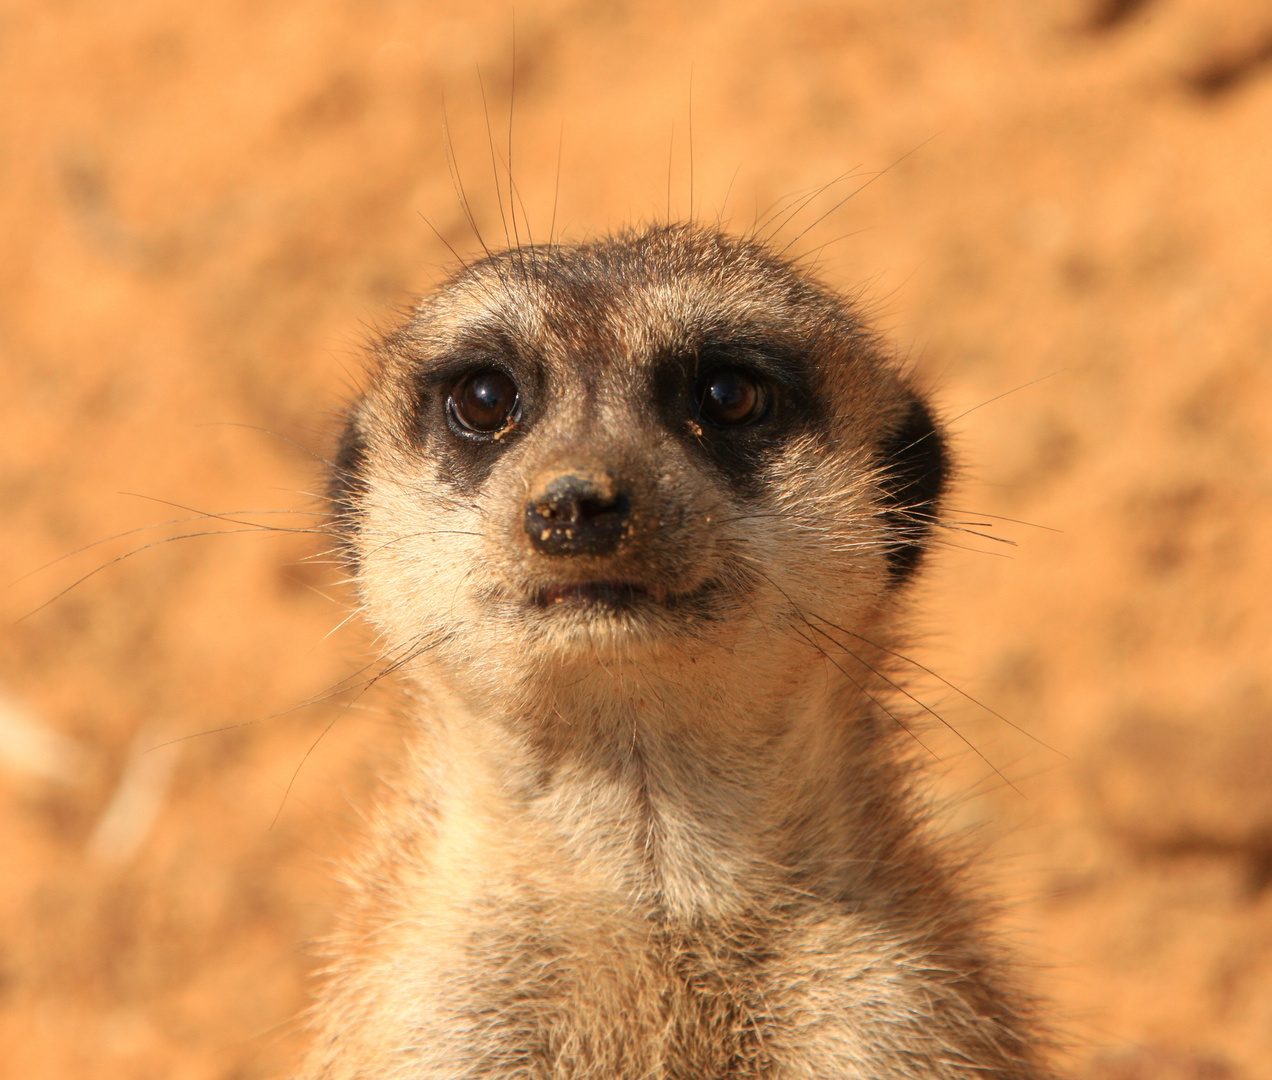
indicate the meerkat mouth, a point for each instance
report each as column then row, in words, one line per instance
column 615, row 595
column 607, row 598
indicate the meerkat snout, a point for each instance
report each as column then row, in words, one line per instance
column 577, row 513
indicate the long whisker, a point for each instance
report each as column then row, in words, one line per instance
column 795, row 205
column 798, row 612
column 412, row 654
column 999, row 397
column 513, row 191
column 146, row 547
column 494, row 160
column 231, row 516
column 879, row 704
column 343, row 686
column 879, row 674
column 438, row 233
column 275, row 434
column 457, row 181
column 691, row 206
column 852, row 194
column 955, row 527
column 940, row 678
column 556, row 185
column 133, row 532
column 999, row 517
column 924, row 706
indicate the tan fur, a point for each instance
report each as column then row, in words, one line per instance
column 681, row 844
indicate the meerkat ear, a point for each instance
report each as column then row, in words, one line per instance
column 345, row 488
column 915, row 468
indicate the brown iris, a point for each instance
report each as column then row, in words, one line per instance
column 485, row 401
column 731, row 398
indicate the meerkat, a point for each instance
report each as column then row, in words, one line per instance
column 636, row 518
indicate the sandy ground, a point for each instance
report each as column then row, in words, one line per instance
column 1062, row 216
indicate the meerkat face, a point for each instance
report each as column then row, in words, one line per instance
column 664, row 448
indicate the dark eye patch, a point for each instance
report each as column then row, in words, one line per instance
column 346, row 488
column 472, row 403
column 763, row 396
column 916, row 465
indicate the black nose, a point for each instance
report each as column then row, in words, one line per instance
column 575, row 515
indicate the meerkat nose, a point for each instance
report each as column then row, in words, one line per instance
column 577, row 513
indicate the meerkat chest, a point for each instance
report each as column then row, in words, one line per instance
column 558, row 988
column 616, row 997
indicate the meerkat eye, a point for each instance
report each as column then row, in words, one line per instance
column 484, row 401
column 731, row 398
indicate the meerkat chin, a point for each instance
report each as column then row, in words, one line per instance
column 637, row 518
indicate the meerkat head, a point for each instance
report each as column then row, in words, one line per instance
column 660, row 456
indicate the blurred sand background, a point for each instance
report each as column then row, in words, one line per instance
column 206, row 207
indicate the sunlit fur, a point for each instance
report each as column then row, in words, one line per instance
column 670, row 840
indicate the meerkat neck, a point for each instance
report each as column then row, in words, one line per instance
column 699, row 818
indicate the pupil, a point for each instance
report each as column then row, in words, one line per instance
column 486, row 401
column 731, row 398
